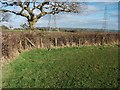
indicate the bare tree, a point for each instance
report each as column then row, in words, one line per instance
column 27, row 8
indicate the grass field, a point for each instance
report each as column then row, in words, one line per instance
column 87, row 67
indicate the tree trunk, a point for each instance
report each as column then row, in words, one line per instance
column 31, row 25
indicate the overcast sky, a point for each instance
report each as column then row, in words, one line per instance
column 92, row 17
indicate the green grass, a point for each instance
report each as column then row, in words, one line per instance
column 87, row 67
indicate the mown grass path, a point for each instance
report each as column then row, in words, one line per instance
column 91, row 66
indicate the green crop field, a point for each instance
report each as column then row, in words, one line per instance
column 75, row 67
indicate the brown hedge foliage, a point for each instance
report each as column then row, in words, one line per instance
column 16, row 42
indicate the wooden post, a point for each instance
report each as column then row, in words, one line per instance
column 26, row 45
column 25, row 41
column 79, row 42
column 101, row 40
column 37, row 42
column 29, row 42
column 56, row 42
column 20, row 45
column 41, row 42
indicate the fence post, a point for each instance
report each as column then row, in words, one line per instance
column 20, row 45
column 79, row 42
column 56, row 42
column 38, row 42
column 41, row 42
column 25, row 41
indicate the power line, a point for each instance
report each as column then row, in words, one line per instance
column 104, row 24
column 52, row 22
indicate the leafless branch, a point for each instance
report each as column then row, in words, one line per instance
column 45, row 7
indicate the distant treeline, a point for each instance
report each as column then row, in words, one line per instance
column 59, row 29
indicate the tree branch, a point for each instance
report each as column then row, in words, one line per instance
column 21, row 14
column 34, row 1
column 45, row 7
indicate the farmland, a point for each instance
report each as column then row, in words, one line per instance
column 69, row 67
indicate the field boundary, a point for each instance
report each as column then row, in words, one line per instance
column 16, row 42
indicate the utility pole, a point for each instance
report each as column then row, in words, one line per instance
column 104, row 24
